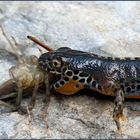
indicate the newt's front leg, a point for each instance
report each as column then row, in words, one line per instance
column 118, row 110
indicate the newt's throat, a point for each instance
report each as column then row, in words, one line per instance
column 70, row 87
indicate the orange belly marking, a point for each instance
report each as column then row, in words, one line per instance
column 70, row 87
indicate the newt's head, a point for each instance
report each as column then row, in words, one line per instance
column 54, row 61
column 65, row 59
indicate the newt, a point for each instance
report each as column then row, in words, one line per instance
column 117, row 77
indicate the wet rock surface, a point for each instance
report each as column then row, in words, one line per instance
column 106, row 28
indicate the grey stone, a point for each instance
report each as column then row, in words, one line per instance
column 106, row 28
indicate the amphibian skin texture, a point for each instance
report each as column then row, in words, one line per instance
column 119, row 77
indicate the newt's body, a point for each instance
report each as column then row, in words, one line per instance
column 109, row 76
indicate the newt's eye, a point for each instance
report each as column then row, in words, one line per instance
column 56, row 63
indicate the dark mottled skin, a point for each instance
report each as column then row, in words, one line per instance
column 105, row 70
column 110, row 76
